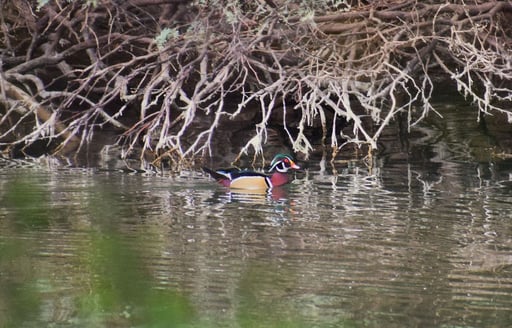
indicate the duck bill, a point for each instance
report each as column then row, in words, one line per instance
column 294, row 166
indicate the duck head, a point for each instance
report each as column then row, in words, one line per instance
column 282, row 163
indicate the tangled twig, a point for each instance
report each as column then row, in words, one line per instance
column 158, row 70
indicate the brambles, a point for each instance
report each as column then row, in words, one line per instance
column 160, row 72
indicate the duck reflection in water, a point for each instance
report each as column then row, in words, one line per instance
column 258, row 196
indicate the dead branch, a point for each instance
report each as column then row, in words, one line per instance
column 161, row 71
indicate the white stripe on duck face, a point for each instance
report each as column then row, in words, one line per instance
column 251, row 182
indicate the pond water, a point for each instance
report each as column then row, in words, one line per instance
column 414, row 241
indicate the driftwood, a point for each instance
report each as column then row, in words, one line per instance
column 151, row 69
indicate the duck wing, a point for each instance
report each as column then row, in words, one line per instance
column 218, row 174
column 232, row 173
column 246, row 173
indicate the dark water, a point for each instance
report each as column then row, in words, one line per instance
column 420, row 239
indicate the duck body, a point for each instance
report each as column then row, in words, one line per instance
column 246, row 179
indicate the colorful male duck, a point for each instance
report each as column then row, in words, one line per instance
column 245, row 179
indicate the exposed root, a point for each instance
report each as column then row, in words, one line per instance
column 153, row 70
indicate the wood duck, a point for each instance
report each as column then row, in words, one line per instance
column 245, row 179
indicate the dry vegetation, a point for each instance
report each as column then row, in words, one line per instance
column 151, row 70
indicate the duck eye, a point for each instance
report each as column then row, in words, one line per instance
column 286, row 160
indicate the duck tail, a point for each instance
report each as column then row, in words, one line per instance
column 216, row 175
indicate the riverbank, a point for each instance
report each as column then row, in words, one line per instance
column 179, row 83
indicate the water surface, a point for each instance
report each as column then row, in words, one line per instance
column 411, row 241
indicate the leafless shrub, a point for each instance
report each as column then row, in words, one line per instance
column 150, row 68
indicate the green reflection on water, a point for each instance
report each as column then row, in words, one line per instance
column 111, row 285
column 28, row 203
column 264, row 282
column 20, row 298
column 122, row 289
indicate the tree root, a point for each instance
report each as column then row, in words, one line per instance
column 159, row 72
